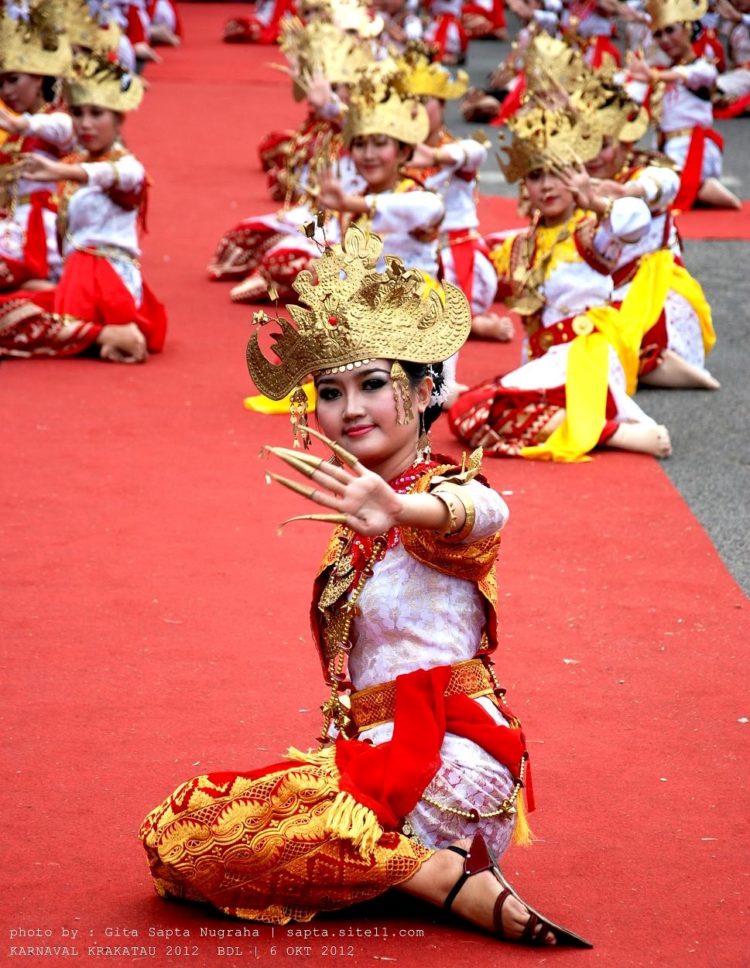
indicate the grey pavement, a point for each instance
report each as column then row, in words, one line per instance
column 710, row 465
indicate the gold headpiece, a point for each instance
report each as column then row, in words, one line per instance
column 377, row 107
column 320, row 46
column 359, row 313
column 613, row 113
column 666, row 12
column 543, row 138
column 421, row 78
column 33, row 40
column 87, row 32
column 99, row 79
column 552, row 69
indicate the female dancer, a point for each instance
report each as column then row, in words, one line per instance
column 103, row 195
column 574, row 393
column 425, row 756
column 681, row 97
column 32, row 55
column 380, row 134
column 450, row 167
column 673, row 350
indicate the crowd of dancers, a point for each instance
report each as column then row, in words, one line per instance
column 606, row 140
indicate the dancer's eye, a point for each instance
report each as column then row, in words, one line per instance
column 373, row 383
column 329, row 393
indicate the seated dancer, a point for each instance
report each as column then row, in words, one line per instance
column 33, row 53
column 450, row 167
column 445, row 31
column 574, row 393
column 102, row 197
column 734, row 83
column 673, row 350
column 417, row 782
column 381, row 131
column 680, row 99
column 261, row 27
column 401, row 26
column 324, row 62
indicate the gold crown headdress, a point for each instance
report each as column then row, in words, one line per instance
column 320, row 46
column 609, row 108
column 422, row 78
column 87, row 31
column 99, row 79
column 544, row 138
column 356, row 312
column 33, row 40
column 666, row 12
column 552, row 69
column 377, row 107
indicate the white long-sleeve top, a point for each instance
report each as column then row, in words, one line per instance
column 661, row 186
column 402, row 218
column 435, row 620
column 94, row 217
column 681, row 106
column 456, row 183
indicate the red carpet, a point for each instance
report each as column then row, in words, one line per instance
column 155, row 625
column 498, row 213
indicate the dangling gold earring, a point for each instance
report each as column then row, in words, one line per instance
column 424, row 444
column 298, row 404
column 401, row 396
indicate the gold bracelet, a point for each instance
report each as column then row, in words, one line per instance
column 607, row 210
column 447, row 500
column 470, row 514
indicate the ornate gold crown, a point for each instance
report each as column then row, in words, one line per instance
column 377, row 107
column 544, row 138
column 33, row 40
column 422, row 78
column 85, row 31
column 552, row 69
column 358, row 313
column 99, row 79
column 320, row 46
column 666, row 12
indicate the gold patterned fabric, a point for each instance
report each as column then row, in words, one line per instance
column 256, row 845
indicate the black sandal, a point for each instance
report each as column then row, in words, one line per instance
column 478, row 858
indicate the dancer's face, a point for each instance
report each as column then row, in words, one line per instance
column 377, row 158
column 610, row 159
column 549, row 196
column 95, row 128
column 357, row 409
column 674, row 40
column 21, row 92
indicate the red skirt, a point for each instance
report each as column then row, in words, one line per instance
column 90, row 289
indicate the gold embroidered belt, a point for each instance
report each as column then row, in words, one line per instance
column 665, row 136
column 564, row 331
column 377, row 705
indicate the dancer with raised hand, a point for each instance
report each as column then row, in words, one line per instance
column 102, row 199
column 680, row 98
column 34, row 52
column 574, row 393
column 417, row 784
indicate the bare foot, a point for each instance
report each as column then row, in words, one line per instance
column 714, row 195
column 642, row 438
column 37, row 285
column 122, row 344
column 161, row 34
column 144, row 52
column 674, row 371
column 492, row 326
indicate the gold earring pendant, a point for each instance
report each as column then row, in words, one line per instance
column 401, row 394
